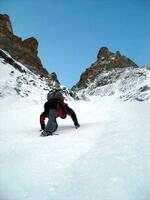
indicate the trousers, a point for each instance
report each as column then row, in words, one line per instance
column 52, row 123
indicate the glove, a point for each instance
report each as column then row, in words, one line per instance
column 77, row 126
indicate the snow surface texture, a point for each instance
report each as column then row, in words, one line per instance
column 127, row 84
column 107, row 158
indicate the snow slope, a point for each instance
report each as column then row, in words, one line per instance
column 107, row 158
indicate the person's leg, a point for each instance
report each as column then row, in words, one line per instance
column 52, row 124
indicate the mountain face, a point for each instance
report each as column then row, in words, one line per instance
column 114, row 74
column 17, row 80
column 24, row 70
column 24, row 51
column 106, row 60
column 124, row 83
column 111, row 74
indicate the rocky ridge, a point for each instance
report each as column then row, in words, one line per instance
column 128, row 84
column 106, row 60
column 114, row 75
column 24, row 51
column 16, row 79
column 22, row 57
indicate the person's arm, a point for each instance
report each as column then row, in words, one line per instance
column 72, row 115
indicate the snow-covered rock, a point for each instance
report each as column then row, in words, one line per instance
column 126, row 83
column 17, row 80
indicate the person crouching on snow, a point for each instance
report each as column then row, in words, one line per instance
column 53, row 108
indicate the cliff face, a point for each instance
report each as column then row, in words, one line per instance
column 24, row 51
column 106, row 60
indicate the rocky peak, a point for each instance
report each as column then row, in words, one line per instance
column 5, row 24
column 103, row 54
column 54, row 80
column 24, row 51
column 106, row 60
column 31, row 44
column 53, row 77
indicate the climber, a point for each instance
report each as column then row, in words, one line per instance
column 53, row 108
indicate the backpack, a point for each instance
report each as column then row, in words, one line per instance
column 55, row 94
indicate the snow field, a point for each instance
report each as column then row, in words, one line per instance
column 107, row 158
